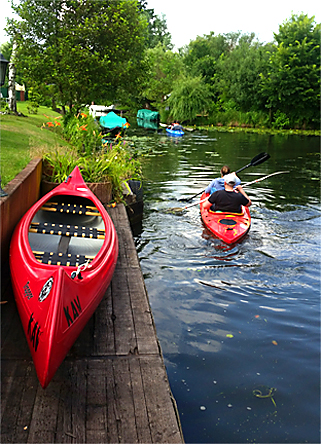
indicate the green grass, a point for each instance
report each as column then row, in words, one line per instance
column 23, row 138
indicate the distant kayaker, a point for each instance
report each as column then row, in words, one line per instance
column 218, row 184
column 228, row 200
column 175, row 126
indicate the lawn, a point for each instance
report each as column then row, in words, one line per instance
column 23, row 138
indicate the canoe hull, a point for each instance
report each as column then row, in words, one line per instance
column 53, row 306
column 228, row 227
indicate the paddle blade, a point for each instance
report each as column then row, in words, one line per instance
column 260, row 158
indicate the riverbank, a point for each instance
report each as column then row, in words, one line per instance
column 271, row 131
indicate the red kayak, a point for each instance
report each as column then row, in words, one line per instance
column 62, row 258
column 229, row 227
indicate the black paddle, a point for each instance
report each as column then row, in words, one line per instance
column 257, row 160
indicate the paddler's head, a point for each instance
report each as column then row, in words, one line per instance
column 229, row 181
column 225, row 170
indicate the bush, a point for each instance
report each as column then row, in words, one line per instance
column 4, row 107
column 280, row 120
column 34, row 100
column 116, row 164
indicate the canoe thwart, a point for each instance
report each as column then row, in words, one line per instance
column 66, row 230
column 67, row 259
column 71, row 208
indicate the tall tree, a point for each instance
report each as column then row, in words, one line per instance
column 202, row 54
column 157, row 31
column 87, row 49
column 190, row 96
column 164, row 68
column 238, row 74
column 292, row 84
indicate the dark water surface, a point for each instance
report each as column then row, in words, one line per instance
column 239, row 326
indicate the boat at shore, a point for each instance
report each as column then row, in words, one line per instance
column 62, row 258
column 229, row 227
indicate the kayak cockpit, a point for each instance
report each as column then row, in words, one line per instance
column 66, row 230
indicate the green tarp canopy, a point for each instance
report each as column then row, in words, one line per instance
column 149, row 124
column 112, row 121
column 147, row 114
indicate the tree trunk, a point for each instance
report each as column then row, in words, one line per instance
column 12, row 80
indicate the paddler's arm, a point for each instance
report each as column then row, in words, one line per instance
column 207, row 204
column 240, row 190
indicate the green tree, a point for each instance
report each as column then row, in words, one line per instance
column 238, row 74
column 202, row 54
column 89, row 50
column 164, row 68
column 292, row 84
column 190, row 96
column 157, row 31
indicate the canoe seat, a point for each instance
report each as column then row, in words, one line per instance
column 71, row 208
column 51, row 258
column 66, row 230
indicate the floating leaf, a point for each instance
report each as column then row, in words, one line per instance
column 274, row 343
column 229, row 335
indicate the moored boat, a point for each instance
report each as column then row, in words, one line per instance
column 112, row 123
column 62, row 257
column 229, row 227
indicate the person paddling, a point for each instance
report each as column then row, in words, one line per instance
column 228, row 200
column 175, row 126
column 218, row 183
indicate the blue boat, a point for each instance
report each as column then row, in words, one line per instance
column 175, row 133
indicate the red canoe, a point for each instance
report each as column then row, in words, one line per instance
column 229, row 227
column 62, row 258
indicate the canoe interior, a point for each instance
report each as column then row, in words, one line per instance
column 63, row 227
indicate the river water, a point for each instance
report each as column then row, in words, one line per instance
column 239, row 326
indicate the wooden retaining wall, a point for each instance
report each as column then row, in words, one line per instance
column 23, row 191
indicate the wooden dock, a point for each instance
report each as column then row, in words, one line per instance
column 111, row 388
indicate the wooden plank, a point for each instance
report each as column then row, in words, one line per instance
column 124, row 400
column 45, row 413
column 8, row 369
column 162, row 414
column 64, row 420
column 104, row 337
column 96, row 409
column 125, row 339
column 141, row 414
column 128, row 254
column 147, row 342
column 78, row 388
column 27, row 402
column 12, row 405
column 113, row 416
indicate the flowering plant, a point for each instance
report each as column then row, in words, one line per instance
column 82, row 131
